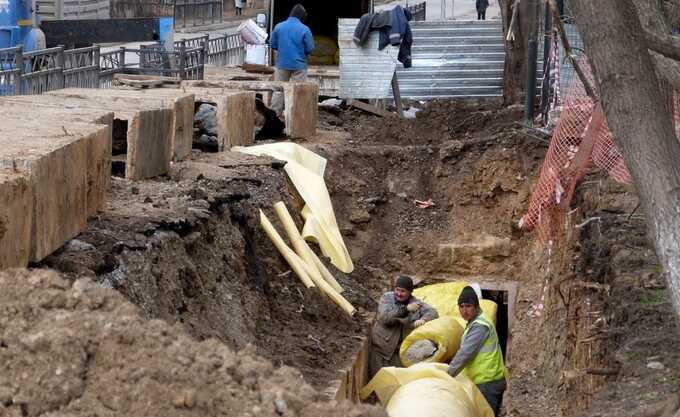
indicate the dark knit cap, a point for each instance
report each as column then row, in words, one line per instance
column 468, row 296
column 404, row 282
column 299, row 11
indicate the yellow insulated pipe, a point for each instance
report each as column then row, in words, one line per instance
column 302, row 247
column 305, row 253
column 296, row 264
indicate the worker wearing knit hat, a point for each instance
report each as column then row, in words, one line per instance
column 480, row 355
column 399, row 312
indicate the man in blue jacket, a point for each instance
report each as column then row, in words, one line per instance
column 292, row 40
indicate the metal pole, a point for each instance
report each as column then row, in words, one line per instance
column 98, row 66
column 532, row 56
column 547, row 35
column 19, row 62
column 531, row 83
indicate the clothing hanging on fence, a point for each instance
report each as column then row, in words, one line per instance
column 394, row 29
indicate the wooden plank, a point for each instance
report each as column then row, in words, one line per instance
column 138, row 83
column 141, row 77
column 236, row 85
column 397, row 95
column 150, row 129
column 235, row 114
column 369, row 108
column 56, row 161
column 98, row 151
column 182, row 104
column 301, row 111
column 16, row 215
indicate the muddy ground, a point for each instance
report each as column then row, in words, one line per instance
column 188, row 249
column 73, row 348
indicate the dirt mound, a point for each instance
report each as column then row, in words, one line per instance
column 73, row 348
column 437, row 122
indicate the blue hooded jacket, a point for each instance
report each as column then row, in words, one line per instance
column 293, row 41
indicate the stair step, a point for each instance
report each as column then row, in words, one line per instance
column 460, row 56
column 456, row 32
column 426, row 74
column 460, row 40
column 450, row 83
column 452, row 49
column 429, row 64
column 457, row 23
column 435, row 92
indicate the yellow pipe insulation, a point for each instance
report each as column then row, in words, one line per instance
column 427, row 390
column 302, row 248
column 296, row 264
column 301, row 262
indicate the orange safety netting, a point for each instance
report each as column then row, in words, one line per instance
column 580, row 140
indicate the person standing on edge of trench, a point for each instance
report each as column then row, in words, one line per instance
column 482, row 5
column 480, row 351
column 293, row 42
column 239, row 4
column 398, row 314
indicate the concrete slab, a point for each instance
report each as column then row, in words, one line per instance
column 16, row 215
column 235, row 114
column 27, row 108
column 301, row 110
column 149, row 130
column 182, row 104
column 55, row 160
column 302, row 100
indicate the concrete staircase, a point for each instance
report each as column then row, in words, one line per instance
column 455, row 59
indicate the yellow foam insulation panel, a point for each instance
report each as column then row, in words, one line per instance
column 306, row 171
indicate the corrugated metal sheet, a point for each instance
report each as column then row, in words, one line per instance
column 451, row 59
column 365, row 72
column 454, row 59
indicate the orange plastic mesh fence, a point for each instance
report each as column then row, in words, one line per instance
column 564, row 166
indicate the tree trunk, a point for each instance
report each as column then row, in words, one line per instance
column 643, row 129
column 515, row 72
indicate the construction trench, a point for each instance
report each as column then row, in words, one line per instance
column 585, row 321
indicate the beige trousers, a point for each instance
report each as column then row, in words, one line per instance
column 278, row 102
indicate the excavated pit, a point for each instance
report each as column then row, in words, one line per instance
column 188, row 249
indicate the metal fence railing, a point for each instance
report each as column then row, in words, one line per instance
column 51, row 69
column 10, row 71
column 42, row 71
column 418, row 11
column 82, row 67
column 197, row 12
column 227, row 50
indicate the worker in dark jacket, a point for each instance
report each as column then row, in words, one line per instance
column 398, row 314
column 480, row 352
column 482, row 5
column 293, row 42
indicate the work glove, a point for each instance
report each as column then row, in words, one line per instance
column 418, row 323
column 413, row 307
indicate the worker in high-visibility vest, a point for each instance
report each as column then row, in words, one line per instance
column 480, row 356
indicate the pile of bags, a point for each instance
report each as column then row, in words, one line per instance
column 254, row 38
column 326, row 51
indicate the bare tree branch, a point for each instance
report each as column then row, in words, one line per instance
column 666, row 45
column 590, row 91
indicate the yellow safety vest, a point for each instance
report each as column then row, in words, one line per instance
column 487, row 365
